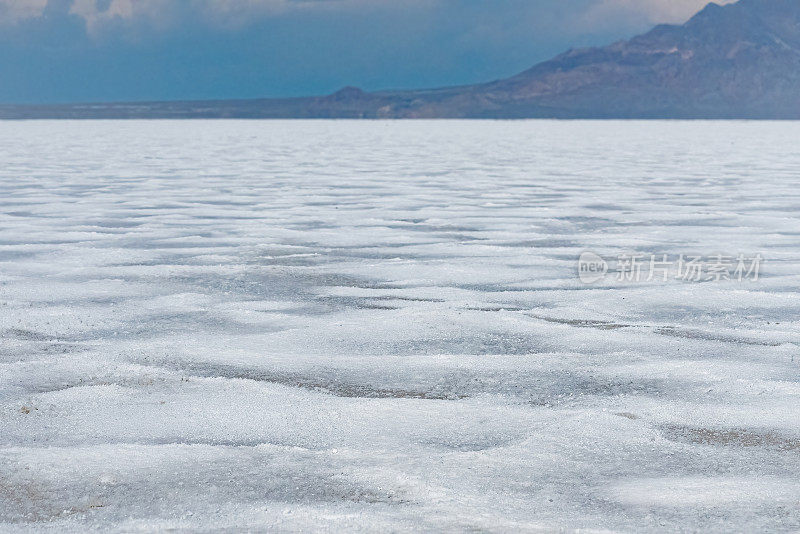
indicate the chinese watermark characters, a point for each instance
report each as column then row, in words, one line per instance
column 636, row 268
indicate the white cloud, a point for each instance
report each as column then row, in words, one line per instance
column 607, row 12
column 96, row 13
column 166, row 13
column 222, row 12
column 12, row 11
column 163, row 13
column 235, row 12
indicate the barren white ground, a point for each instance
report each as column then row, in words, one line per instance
column 378, row 326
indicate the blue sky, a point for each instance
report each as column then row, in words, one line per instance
column 106, row 50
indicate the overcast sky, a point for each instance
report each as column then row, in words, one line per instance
column 101, row 50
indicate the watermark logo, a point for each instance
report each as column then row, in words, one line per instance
column 637, row 268
column 591, row 268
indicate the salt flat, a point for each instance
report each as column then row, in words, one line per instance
column 379, row 326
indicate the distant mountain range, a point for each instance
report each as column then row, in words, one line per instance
column 738, row 61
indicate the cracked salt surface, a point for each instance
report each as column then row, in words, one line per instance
column 379, row 326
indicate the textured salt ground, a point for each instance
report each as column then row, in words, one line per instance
column 379, row 326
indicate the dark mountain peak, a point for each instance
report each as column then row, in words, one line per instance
column 733, row 60
column 710, row 12
column 348, row 93
column 748, row 12
column 787, row 7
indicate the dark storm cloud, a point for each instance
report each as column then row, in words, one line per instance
column 85, row 50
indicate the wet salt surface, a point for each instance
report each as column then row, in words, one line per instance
column 379, row 326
